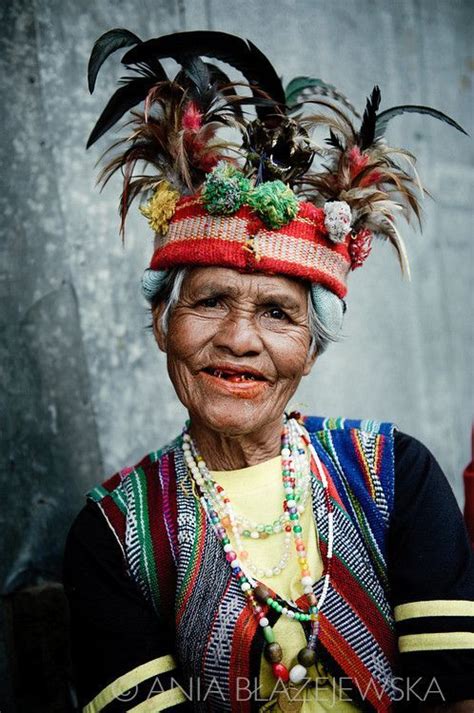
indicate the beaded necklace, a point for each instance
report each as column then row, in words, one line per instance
column 251, row 530
column 221, row 518
column 300, row 473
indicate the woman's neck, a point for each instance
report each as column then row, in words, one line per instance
column 224, row 452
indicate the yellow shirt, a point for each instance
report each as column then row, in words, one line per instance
column 257, row 493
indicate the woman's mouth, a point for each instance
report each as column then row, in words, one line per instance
column 241, row 383
column 234, row 376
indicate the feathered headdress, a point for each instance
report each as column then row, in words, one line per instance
column 258, row 203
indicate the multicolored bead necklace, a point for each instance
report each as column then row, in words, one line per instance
column 248, row 529
column 301, row 478
column 216, row 506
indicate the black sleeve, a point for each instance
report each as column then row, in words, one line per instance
column 431, row 572
column 122, row 653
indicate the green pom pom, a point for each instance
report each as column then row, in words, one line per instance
column 226, row 189
column 274, row 202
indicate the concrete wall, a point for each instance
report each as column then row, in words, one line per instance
column 84, row 390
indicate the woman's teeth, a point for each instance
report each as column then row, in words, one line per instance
column 231, row 376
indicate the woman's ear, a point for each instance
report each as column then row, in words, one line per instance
column 158, row 331
column 310, row 359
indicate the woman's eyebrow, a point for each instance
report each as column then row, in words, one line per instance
column 262, row 299
column 208, row 291
column 278, row 299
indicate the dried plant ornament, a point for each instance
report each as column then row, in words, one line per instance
column 277, row 148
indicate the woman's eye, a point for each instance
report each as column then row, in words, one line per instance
column 209, row 302
column 276, row 313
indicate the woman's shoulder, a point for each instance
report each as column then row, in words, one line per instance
column 123, row 499
column 407, row 448
column 116, row 486
column 315, row 424
column 126, row 502
column 411, row 460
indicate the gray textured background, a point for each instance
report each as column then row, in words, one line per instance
column 83, row 388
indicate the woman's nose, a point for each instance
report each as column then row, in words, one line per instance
column 238, row 335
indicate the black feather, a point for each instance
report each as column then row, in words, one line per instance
column 204, row 83
column 300, row 89
column 334, row 141
column 107, row 43
column 122, row 100
column 146, row 70
column 198, row 73
column 221, row 83
column 195, row 78
column 218, row 77
column 367, row 129
column 385, row 116
column 240, row 54
column 252, row 101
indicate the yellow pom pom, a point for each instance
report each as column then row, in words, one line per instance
column 161, row 207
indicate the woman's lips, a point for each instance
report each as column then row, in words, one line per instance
column 235, row 384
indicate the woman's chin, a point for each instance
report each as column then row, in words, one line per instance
column 232, row 408
column 230, row 419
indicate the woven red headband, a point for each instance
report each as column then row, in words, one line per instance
column 242, row 241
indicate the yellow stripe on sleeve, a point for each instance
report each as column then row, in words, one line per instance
column 435, row 607
column 436, row 642
column 163, row 700
column 129, row 680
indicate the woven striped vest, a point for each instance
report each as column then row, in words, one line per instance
column 176, row 560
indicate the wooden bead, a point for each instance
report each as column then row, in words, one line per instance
column 262, row 593
column 273, row 653
column 306, row 657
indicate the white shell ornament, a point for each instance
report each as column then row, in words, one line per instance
column 298, row 673
column 337, row 220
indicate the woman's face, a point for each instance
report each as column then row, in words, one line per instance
column 237, row 346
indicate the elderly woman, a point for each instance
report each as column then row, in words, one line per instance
column 263, row 560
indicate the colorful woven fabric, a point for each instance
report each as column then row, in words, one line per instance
column 242, row 241
column 357, row 626
column 177, row 562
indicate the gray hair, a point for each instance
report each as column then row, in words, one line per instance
column 325, row 309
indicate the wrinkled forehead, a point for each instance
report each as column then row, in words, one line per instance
column 213, row 281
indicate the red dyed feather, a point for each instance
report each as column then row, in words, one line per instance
column 360, row 247
column 372, row 178
column 357, row 161
column 192, row 118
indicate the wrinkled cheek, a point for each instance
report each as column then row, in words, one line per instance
column 289, row 376
column 289, row 353
column 180, row 377
column 287, row 386
column 290, row 369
